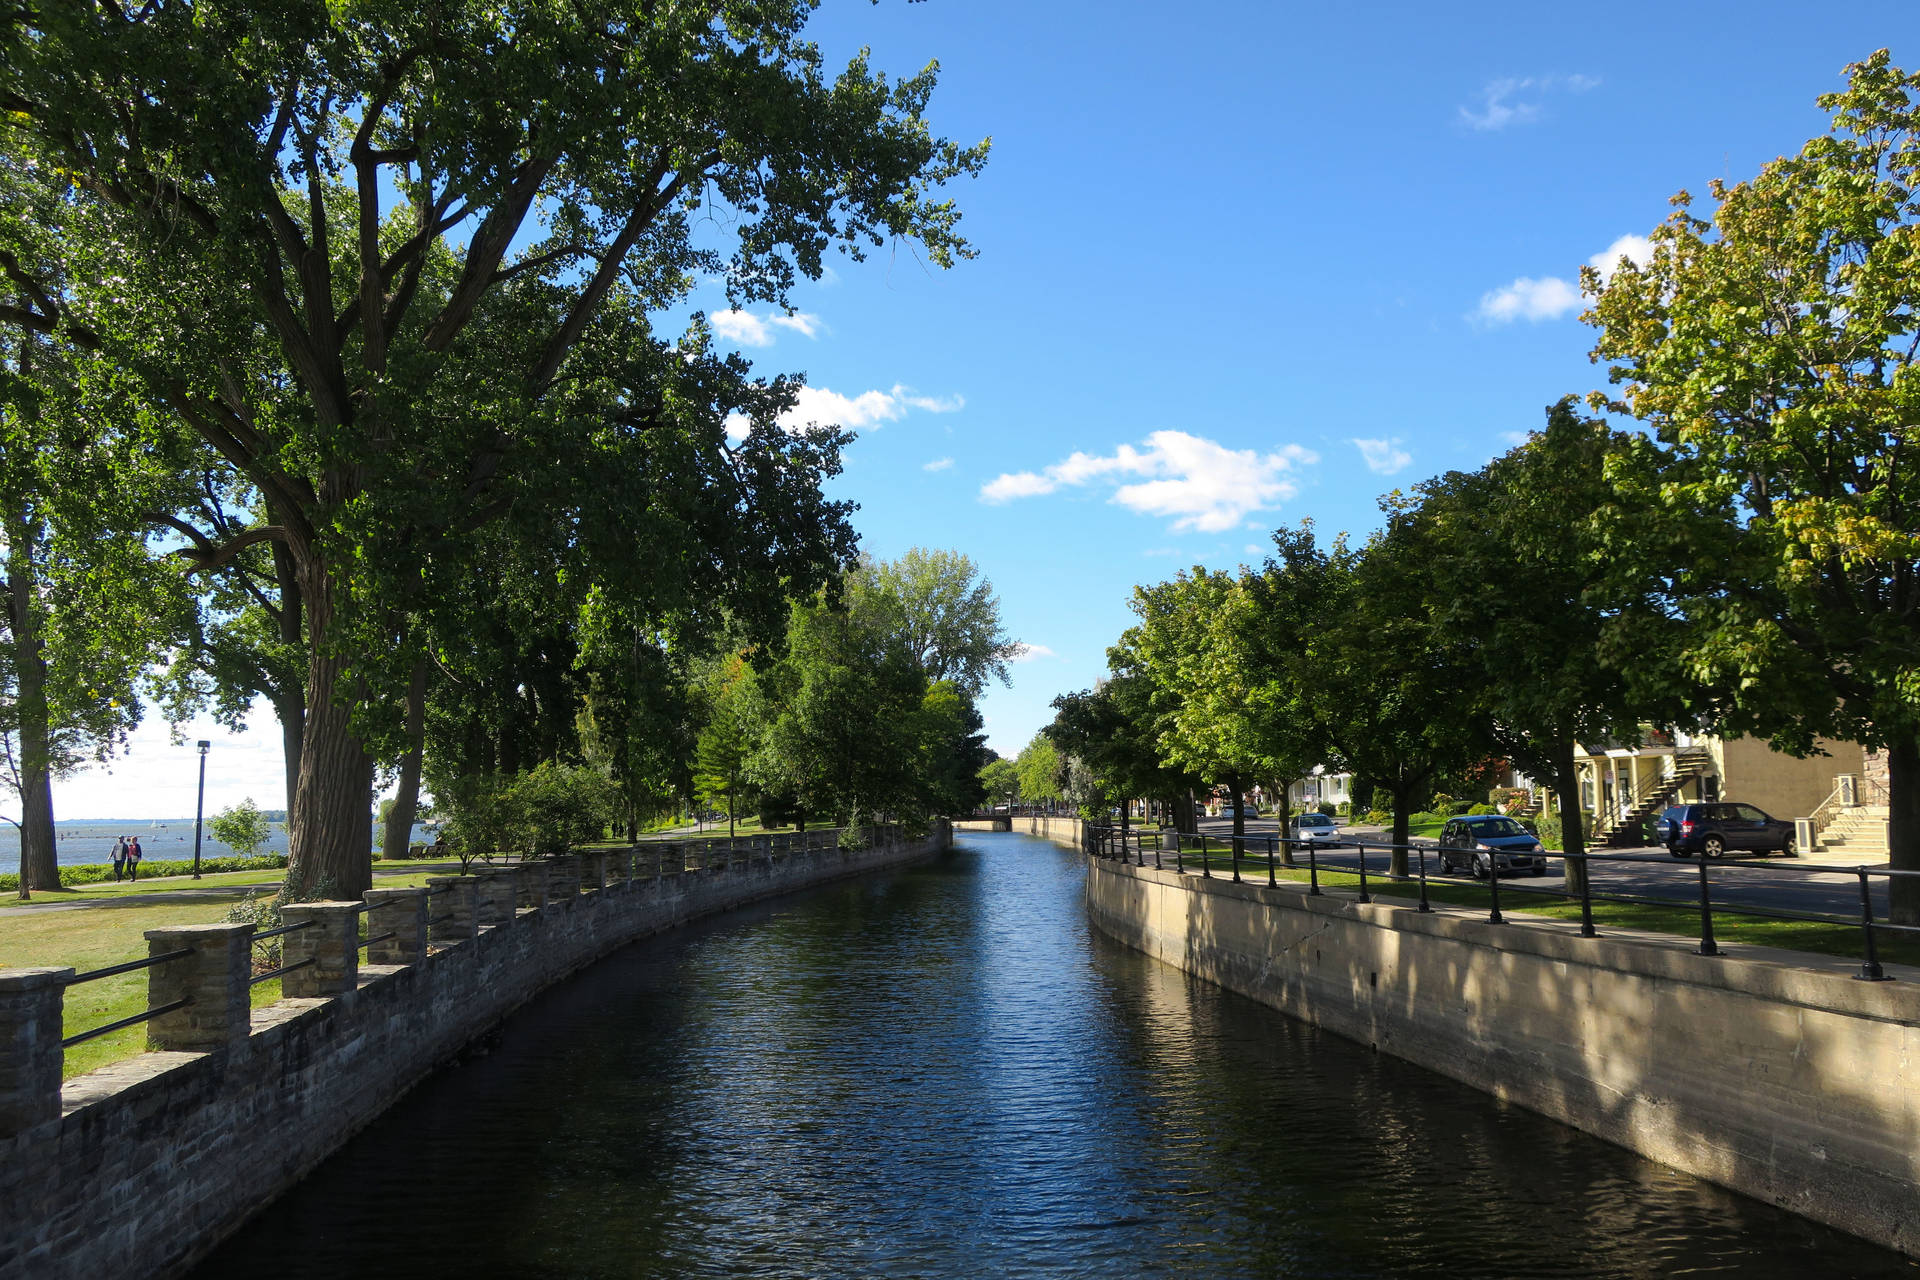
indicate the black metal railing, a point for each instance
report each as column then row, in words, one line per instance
column 132, row 1020
column 1282, row 854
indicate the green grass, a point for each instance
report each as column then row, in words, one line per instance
column 1680, row 921
column 109, row 934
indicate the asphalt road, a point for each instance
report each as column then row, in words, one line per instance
column 1771, row 883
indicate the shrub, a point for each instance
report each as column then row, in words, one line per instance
column 1325, row 808
column 262, row 914
column 1547, row 827
column 241, row 828
column 1482, row 808
column 1344, row 808
column 1379, row 817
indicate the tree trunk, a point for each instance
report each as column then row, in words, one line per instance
column 406, row 797
column 332, row 816
column 1573, row 833
column 1239, row 818
column 290, row 700
column 292, row 711
column 39, row 861
column 1283, row 814
column 1903, row 828
column 1402, row 817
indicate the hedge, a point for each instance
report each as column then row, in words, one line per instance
column 96, row 872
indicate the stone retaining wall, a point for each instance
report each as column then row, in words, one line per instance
column 1795, row 1085
column 150, row 1162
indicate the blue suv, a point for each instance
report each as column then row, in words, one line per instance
column 1716, row 829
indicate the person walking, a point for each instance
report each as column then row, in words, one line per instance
column 133, row 858
column 119, row 857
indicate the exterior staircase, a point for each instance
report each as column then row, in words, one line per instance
column 1630, row 831
column 1858, row 832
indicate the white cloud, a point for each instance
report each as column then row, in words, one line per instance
column 829, row 408
column 938, row 464
column 1552, row 297
column 1028, row 652
column 804, row 323
column 1383, row 457
column 1516, row 438
column 1529, row 299
column 1255, row 549
column 749, row 330
column 1516, row 99
column 1197, row 483
column 1635, row 249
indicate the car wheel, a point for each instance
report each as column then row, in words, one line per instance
column 1677, row 851
column 1790, row 848
column 1713, row 846
column 1480, row 868
column 1540, row 869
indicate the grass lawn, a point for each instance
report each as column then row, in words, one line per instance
column 111, row 933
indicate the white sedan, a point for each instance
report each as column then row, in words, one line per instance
column 1314, row 826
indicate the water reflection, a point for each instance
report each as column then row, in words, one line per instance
column 944, row 1072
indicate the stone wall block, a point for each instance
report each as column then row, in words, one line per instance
column 454, row 913
column 563, row 877
column 30, row 1053
column 596, row 869
column 533, row 880
column 499, row 892
column 403, row 913
column 211, row 978
column 331, row 941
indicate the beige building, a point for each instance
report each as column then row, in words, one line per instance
column 1623, row 787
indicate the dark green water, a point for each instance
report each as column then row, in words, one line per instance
column 945, row 1073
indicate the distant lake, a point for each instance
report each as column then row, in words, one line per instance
column 85, row 840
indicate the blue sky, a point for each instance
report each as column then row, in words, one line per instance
column 1240, row 264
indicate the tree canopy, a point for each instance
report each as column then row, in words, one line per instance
column 1770, row 348
column 393, row 265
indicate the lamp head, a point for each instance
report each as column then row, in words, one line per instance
column 203, row 744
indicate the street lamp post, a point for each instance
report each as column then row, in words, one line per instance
column 200, row 805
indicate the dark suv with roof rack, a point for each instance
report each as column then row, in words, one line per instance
column 1720, row 828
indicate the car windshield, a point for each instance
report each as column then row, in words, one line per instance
column 1316, row 820
column 1497, row 827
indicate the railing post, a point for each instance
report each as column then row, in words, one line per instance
column 1424, row 904
column 1586, row 895
column 1206, row 859
column 455, row 909
column 31, row 1059
column 212, row 979
column 403, row 913
column 331, row 941
column 627, row 858
column 1272, row 843
column 1493, row 885
column 1361, row 847
column 1313, row 871
column 1708, row 947
column 532, row 878
column 1179, row 854
column 1870, row 970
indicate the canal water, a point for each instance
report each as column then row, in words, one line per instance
column 944, row 1072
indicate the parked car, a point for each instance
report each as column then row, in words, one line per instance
column 1487, row 843
column 1317, row 827
column 1724, row 827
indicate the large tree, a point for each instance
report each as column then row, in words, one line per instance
column 1192, row 644
column 451, row 221
column 1560, row 651
column 1771, row 348
column 947, row 614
